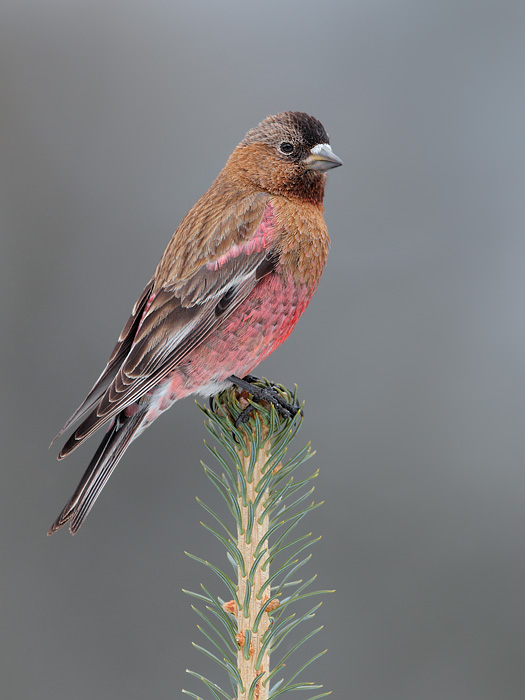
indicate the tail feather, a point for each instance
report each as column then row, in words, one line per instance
column 106, row 458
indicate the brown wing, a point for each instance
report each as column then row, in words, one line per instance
column 180, row 314
column 120, row 351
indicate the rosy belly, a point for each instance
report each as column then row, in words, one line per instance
column 256, row 328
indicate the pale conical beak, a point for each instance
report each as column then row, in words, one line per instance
column 322, row 158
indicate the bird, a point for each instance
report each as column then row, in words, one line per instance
column 230, row 287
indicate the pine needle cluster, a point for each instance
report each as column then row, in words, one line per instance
column 267, row 497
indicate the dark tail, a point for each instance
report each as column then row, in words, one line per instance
column 106, row 458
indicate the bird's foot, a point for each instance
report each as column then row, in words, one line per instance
column 269, row 394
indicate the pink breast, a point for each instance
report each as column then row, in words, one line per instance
column 258, row 326
column 254, row 330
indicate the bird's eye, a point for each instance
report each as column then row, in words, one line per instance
column 286, row 148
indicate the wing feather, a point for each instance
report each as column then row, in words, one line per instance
column 120, row 352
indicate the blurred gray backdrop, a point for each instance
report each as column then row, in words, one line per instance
column 115, row 117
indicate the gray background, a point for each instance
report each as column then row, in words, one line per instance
column 115, row 117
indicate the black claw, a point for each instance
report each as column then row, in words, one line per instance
column 269, row 394
column 244, row 416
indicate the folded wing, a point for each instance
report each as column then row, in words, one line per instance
column 176, row 313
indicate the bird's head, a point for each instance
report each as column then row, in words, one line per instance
column 286, row 154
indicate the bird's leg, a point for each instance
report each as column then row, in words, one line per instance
column 269, row 394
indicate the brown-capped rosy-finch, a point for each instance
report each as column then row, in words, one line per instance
column 236, row 275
